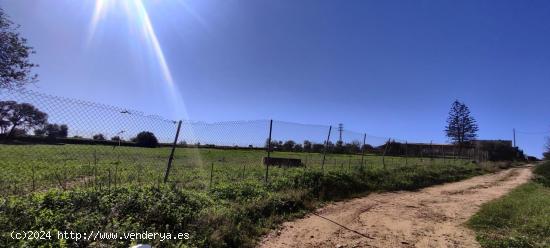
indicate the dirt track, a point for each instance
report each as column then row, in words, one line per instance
column 431, row 217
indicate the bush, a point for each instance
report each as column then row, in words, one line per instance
column 542, row 174
column 146, row 139
column 98, row 136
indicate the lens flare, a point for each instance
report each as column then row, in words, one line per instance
column 138, row 15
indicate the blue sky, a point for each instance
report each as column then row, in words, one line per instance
column 390, row 68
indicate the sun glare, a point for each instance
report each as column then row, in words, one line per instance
column 137, row 13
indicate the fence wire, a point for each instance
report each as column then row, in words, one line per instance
column 53, row 142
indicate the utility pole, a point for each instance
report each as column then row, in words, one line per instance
column 340, row 130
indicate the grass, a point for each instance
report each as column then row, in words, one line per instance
column 84, row 188
column 521, row 218
column 28, row 168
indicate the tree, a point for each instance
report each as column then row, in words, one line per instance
column 288, row 145
column 317, row 147
column 40, row 132
column 353, row 147
column 116, row 138
column 461, row 127
column 22, row 116
column 339, row 147
column 63, row 131
column 275, row 145
column 18, row 132
column 53, row 131
column 15, row 66
column 307, row 146
column 6, row 107
column 329, row 146
column 367, row 147
column 98, row 136
column 146, row 139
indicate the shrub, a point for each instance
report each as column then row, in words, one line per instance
column 98, row 136
column 146, row 139
column 542, row 174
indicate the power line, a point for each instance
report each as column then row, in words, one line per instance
column 523, row 132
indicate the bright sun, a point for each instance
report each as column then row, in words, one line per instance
column 137, row 13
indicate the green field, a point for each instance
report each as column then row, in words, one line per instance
column 521, row 218
column 30, row 168
column 82, row 188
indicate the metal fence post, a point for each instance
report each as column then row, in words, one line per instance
column 171, row 158
column 363, row 150
column 268, row 151
column 325, row 150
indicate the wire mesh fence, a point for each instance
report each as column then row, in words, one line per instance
column 52, row 142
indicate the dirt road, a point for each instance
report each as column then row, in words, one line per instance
column 432, row 217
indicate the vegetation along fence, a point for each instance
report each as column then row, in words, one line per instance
column 52, row 142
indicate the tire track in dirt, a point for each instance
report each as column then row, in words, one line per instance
column 431, row 217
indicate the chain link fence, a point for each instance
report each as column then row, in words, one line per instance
column 53, row 142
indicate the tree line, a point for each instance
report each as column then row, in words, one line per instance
column 308, row 146
column 17, row 119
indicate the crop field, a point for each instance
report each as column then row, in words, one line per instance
column 28, row 168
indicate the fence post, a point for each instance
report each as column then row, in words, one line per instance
column 268, row 151
column 363, row 150
column 325, row 150
column 171, row 158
